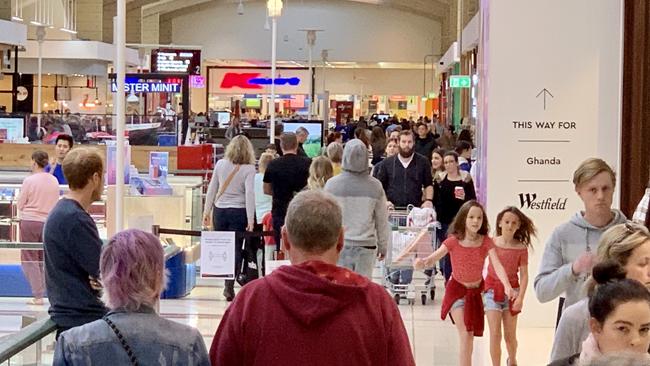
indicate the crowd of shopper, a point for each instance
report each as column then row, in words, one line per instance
column 330, row 216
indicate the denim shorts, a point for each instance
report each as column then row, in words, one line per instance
column 458, row 303
column 490, row 304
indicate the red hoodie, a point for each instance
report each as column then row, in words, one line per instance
column 312, row 314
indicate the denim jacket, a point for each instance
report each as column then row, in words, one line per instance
column 153, row 339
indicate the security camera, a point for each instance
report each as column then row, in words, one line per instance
column 442, row 62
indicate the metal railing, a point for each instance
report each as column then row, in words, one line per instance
column 13, row 344
column 34, row 333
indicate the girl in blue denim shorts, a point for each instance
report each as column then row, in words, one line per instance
column 514, row 231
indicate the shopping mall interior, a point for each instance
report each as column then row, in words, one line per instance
column 211, row 125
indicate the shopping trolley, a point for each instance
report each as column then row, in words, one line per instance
column 411, row 237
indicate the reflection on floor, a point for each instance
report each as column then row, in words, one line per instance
column 434, row 342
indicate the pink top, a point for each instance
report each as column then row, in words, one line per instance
column 467, row 263
column 511, row 259
column 38, row 195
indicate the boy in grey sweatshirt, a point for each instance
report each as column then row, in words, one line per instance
column 567, row 243
column 365, row 215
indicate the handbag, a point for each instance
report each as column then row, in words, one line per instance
column 120, row 337
column 249, row 270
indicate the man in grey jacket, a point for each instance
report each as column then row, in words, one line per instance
column 365, row 214
column 569, row 254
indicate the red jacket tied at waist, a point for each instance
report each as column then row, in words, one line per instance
column 473, row 309
column 495, row 285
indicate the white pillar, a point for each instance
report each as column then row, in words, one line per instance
column 311, row 82
column 40, row 36
column 120, row 111
column 274, row 31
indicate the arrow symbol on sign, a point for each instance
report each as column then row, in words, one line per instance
column 545, row 92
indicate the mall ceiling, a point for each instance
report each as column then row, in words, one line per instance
column 442, row 11
column 438, row 10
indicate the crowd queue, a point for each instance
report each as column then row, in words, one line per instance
column 329, row 215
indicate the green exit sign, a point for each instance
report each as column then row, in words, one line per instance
column 460, row 81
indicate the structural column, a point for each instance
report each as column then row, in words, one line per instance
column 635, row 149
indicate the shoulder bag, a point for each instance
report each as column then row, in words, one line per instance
column 120, row 337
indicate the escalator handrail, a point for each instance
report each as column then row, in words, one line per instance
column 13, row 344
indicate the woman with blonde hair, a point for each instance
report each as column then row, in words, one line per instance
column 335, row 153
column 231, row 197
column 320, row 171
column 628, row 245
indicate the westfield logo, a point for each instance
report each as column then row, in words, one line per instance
column 253, row 80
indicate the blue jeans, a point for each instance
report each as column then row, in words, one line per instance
column 358, row 259
column 231, row 219
column 400, row 276
column 445, row 262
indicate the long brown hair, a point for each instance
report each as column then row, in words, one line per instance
column 526, row 227
column 458, row 228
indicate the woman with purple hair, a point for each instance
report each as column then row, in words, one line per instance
column 133, row 276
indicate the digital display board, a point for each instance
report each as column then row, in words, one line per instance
column 176, row 61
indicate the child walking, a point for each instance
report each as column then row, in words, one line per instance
column 468, row 245
column 514, row 231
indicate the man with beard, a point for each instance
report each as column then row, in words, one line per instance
column 72, row 245
column 406, row 176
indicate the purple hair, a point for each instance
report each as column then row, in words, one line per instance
column 132, row 270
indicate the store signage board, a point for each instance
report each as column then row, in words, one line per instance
column 197, row 82
column 176, row 61
column 257, row 81
column 148, row 87
column 252, row 80
column 460, row 81
column 527, row 115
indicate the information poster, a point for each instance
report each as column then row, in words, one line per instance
column 12, row 129
column 218, row 254
column 549, row 98
column 111, row 162
column 158, row 164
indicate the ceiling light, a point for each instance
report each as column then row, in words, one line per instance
column 36, row 23
column 68, row 30
column 274, row 8
column 18, row 19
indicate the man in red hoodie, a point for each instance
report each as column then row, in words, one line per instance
column 312, row 312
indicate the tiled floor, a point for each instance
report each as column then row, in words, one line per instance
column 434, row 341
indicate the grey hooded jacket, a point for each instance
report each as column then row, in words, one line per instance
column 362, row 199
column 566, row 244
